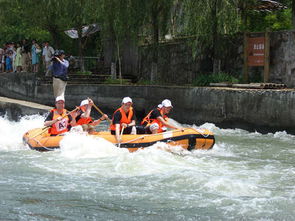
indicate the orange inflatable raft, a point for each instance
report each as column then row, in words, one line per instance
column 188, row 138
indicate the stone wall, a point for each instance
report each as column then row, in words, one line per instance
column 282, row 58
column 177, row 64
column 261, row 110
column 14, row 109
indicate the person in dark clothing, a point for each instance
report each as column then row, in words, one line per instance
column 157, row 121
column 26, row 55
column 60, row 73
column 123, row 119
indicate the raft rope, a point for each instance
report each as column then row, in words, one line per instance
column 147, row 135
column 200, row 131
column 46, row 148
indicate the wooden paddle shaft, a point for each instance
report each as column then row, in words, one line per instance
column 102, row 113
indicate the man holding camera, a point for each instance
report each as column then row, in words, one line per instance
column 60, row 73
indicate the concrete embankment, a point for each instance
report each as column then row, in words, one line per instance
column 250, row 109
column 13, row 108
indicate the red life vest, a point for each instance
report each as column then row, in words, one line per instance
column 84, row 120
column 124, row 119
column 148, row 121
column 60, row 126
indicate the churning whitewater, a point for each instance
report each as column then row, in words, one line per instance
column 246, row 176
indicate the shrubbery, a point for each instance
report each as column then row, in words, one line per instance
column 116, row 81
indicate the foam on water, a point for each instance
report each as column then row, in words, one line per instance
column 11, row 132
column 77, row 145
column 245, row 174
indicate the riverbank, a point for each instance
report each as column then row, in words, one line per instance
column 251, row 109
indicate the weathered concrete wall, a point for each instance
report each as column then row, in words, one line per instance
column 14, row 109
column 177, row 64
column 261, row 110
column 282, row 57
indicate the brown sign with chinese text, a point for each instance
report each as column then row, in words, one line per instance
column 256, row 51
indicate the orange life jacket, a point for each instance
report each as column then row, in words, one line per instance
column 84, row 120
column 60, row 126
column 148, row 121
column 124, row 119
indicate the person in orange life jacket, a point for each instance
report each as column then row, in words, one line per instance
column 82, row 116
column 123, row 117
column 156, row 121
column 58, row 119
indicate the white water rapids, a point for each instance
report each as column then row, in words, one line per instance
column 246, row 176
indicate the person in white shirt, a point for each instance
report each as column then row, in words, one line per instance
column 1, row 60
column 47, row 55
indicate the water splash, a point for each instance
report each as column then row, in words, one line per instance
column 245, row 176
column 76, row 145
column 11, row 132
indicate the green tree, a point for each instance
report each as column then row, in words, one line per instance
column 77, row 14
column 158, row 14
column 121, row 20
column 208, row 20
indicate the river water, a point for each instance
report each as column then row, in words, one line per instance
column 246, row 176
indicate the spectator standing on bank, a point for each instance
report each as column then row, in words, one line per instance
column 8, row 61
column 13, row 57
column 59, row 73
column 1, row 60
column 35, row 51
column 47, row 55
column 18, row 58
column 25, row 55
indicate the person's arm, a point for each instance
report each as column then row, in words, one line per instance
column 64, row 62
column 43, row 55
column 72, row 121
column 98, row 121
column 131, row 124
column 49, row 122
column 118, row 135
column 165, row 123
column 116, row 121
column 52, row 51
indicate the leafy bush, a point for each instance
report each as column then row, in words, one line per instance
column 144, row 82
column 206, row 79
column 116, row 81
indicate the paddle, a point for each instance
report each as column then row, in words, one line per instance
column 102, row 113
column 121, row 136
column 148, row 135
column 46, row 127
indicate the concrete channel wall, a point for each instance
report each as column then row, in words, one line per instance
column 250, row 109
column 14, row 109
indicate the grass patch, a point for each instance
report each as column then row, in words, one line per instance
column 84, row 72
column 116, row 81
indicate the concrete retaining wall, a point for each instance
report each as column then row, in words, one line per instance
column 261, row 110
column 14, row 109
column 177, row 64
